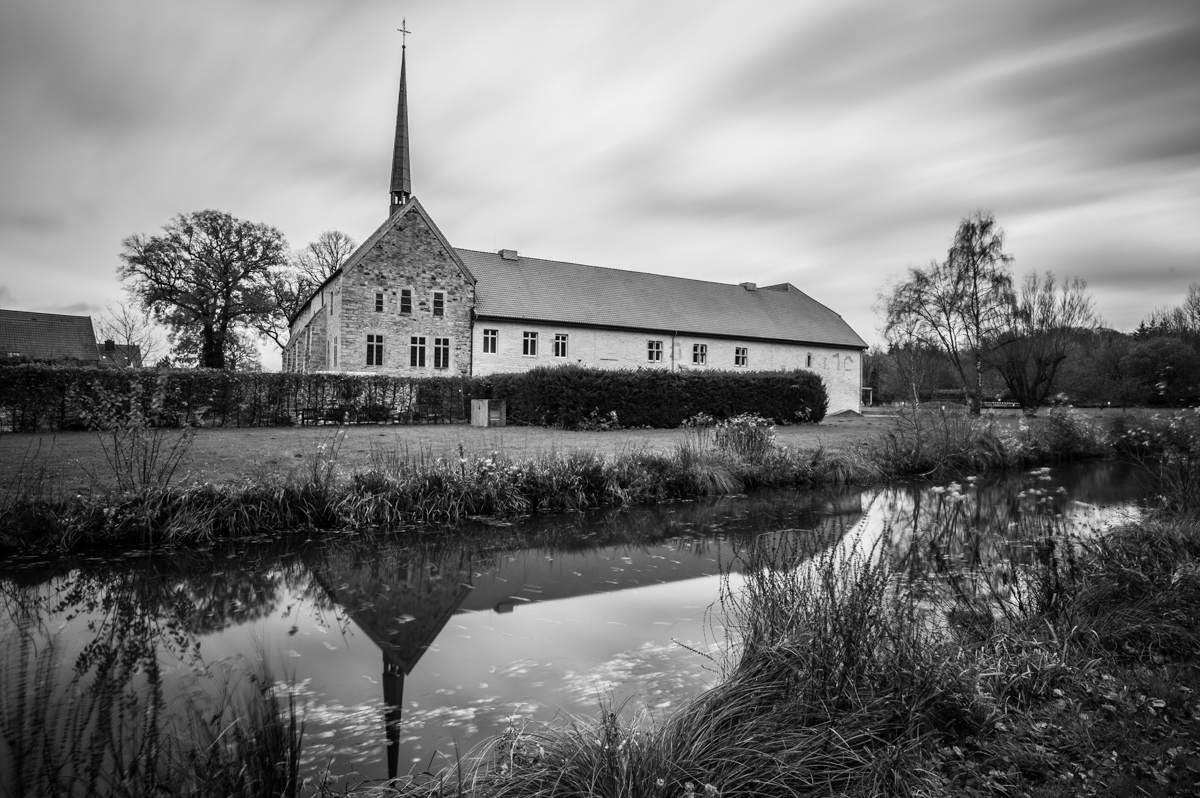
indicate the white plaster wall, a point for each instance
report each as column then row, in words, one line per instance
column 840, row 369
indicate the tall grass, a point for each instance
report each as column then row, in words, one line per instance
column 948, row 441
column 112, row 732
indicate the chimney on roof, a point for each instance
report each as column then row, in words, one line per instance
column 110, row 345
column 750, row 286
column 509, row 254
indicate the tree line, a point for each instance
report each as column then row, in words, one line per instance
column 962, row 328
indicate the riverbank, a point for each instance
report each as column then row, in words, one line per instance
column 144, row 492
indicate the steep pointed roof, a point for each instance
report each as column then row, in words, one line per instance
column 401, row 188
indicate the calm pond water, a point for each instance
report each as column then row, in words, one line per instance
column 405, row 649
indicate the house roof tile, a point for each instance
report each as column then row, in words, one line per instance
column 534, row 289
column 47, row 336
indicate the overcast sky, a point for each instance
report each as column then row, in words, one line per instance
column 826, row 144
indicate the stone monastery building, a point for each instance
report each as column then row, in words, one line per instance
column 406, row 302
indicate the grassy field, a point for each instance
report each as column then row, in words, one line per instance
column 75, row 461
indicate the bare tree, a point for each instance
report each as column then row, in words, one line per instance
column 1044, row 322
column 306, row 271
column 126, row 327
column 960, row 305
column 321, row 258
column 1182, row 320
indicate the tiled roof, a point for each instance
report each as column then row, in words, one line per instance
column 123, row 355
column 549, row 291
column 47, row 336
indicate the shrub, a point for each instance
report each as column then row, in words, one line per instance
column 575, row 397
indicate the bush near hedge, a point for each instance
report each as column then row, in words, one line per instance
column 39, row 396
column 573, row 396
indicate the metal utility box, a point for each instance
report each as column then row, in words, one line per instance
column 487, row 413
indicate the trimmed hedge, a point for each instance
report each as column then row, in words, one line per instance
column 56, row 397
column 574, row 396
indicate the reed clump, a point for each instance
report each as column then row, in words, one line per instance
column 948, row 441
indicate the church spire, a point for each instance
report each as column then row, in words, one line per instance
column 401, row 172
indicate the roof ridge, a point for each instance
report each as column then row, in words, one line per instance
column 45, row 313
column 605, row 268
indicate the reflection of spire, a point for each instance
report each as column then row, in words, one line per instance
column 401, row 188
column 393, row 707
column 401, row 606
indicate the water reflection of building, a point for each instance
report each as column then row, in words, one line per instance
column 402, row 598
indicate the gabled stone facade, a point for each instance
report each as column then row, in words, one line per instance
column 401, row 305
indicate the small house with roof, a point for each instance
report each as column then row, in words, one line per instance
column 407, row 302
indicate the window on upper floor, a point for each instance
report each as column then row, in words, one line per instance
column 560, row 345
column 439, row 303
column 416, row 351
column 741, row 356
column 654, row 351
column 808, row 360
column 491, row 342
column 374, row 350
column 378, row 302
column 699, row 354
column 441, row 353
column 406, row 300
column 529, row 344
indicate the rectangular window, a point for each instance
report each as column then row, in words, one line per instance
column 335, row 351
column 741, row 355
column 491, row 341
column 416, row 352
column 560, row 344
column 529, row 344
column 654, row 351
column 439, row 303
column 441, row 353
column 406, row 300
column 374, row 350
column 808, row 361
column 379, row 302
column 699, row 354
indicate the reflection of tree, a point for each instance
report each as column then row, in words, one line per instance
column 136, row 607
column 970, row 524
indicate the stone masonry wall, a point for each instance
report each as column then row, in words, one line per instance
column 408, row 256
column 840, row 369
column 306, row 349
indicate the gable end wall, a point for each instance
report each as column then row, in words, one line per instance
column 409, row 256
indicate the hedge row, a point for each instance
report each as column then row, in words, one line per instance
column 573, row 396
column 54, row 397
